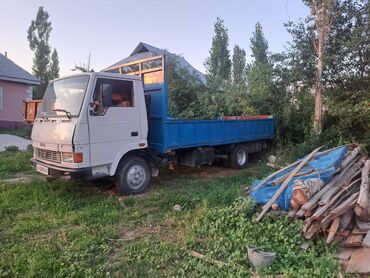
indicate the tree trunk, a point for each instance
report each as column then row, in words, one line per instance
column 318, row 86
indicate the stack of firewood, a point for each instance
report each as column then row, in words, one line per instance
column 339, row 209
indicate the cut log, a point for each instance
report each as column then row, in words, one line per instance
column 362, row 208
column 333, row 229
column 346, row 219
column 286, row 182
column 353, row 241
column 315, row 198
column 294, row 205
column 304, row 190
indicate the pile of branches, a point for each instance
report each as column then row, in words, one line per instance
column 341, row 208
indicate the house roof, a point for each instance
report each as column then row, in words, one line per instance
column 144, row 50
column 10, row 71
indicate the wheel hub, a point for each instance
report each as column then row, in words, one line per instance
column 241, row 157
column 136, row 176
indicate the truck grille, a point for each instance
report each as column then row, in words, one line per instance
column 48, row 155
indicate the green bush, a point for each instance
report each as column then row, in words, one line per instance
column 11, row 148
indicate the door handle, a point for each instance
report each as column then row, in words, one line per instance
column 134, row 133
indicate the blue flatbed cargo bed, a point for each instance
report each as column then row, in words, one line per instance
column 168, row 134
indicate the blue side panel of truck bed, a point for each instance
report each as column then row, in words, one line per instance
column 171, row 134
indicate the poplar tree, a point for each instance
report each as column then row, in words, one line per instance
column 218, row 64
column 239, row 64
column 38, row 37
column 54, row 65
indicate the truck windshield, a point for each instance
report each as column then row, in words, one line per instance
column 64, row 97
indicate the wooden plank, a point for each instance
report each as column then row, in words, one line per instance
column 285, row 183
column 343, row 181
column 265, row 180
column 320, row 211
column 359, row 262
column 314, row 228
column 201, row 256
column 362, row 224
column 318, row 154
column 333, row 229
column 346, row 219
column 362, row 208
column 341, row 209
column 366, row 241
column 315, row 198
column 353, row 241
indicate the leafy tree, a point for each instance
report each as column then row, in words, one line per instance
column 260, row 73
column 239, row 64
column 54, row 65
column 218, row 64
column 38, row 37
column 82, row 67
column 183, row 89
column 259, row 45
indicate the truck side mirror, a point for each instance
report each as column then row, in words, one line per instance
column 106, row 93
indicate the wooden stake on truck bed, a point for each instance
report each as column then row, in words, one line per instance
column 286, row 182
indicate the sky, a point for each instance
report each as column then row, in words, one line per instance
column 111, row 29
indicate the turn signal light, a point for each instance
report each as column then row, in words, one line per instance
column 72, row 157
column 78, row 157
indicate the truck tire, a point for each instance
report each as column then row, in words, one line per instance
column 238, row 157
column 133, row 175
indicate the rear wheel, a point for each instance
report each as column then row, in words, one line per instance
column 239, row 157
column 133, row 175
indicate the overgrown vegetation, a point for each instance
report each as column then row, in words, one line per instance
column 71, row 229
column 283, row 84
column 13, row 162
column 24, row 132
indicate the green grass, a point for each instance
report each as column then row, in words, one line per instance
column 71, row 229
column 12, row 163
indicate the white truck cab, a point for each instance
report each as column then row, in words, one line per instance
column 88, row 123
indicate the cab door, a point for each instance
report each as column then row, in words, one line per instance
column 114, row 120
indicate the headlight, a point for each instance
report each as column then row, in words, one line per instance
column 72, row 157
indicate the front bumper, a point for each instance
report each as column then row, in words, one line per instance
column 56, row 171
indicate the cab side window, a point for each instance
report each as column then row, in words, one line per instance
column 122, row 92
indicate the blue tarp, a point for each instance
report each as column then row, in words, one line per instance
column 323, row 167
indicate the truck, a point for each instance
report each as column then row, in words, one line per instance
column 115, row 123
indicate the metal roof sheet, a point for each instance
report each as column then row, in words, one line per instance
column 144, row 50
column 10, row 71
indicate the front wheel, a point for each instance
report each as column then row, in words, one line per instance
column 239, row 157
column 133, row 175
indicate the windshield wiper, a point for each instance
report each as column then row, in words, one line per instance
column 69, row 115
